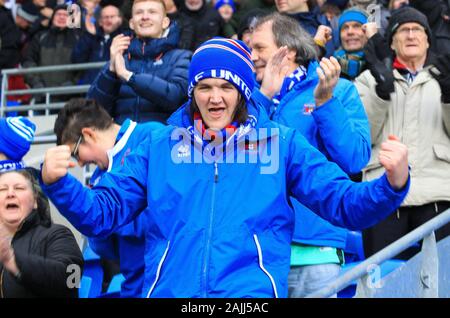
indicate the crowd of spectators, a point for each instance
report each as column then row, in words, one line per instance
column 391, row 58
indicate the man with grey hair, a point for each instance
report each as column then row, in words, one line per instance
column 409, row 97
column 301, row 93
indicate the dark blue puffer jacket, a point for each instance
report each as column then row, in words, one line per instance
column 158, row 86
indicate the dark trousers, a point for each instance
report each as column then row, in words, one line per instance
column 400, row 223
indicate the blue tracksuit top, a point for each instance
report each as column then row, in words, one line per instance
column 339, row 129
column 127, row 243
column 222, row 229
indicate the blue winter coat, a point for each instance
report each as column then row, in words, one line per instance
column 339, row 129
column 158, row 86
column 127, row 244
column 222, row 229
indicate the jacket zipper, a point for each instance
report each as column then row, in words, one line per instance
column 261, row 265
column 158, row 271
column 208, row 242
column 137, row 111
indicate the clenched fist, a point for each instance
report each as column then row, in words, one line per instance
column 394, row 158
column 56, row 164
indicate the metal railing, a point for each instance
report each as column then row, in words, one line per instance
column 425, row 231
column 48, row 91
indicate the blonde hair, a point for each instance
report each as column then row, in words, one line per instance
column 158, row 1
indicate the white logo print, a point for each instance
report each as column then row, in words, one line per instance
column 184, row 151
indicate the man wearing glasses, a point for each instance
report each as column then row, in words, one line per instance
column 409, row 97
column 92, row 135
column 94, row 47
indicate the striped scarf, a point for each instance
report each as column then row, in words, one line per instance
column 11, row 165
column 204, row 136
column 289, row 82
column 352, row 64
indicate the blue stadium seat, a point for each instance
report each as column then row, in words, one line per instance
column 354, row 250
column 12, row 103
column 116, row 283
column 94, row 270
column 85, row 287
column 114, row 287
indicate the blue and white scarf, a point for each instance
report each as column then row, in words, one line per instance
column 11, row 165
column 289, row 82
column 203, row 136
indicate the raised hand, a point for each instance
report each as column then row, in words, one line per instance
column 56, row 164
column 394, row 158
column 121, row 70
column 276, row 70
column 441, row 72
column 378, row 62
column 7, row 257
column 370, row 29
column 323, row 35
column 118, row 45
column 328, row 73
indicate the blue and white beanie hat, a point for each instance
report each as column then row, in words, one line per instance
column 220, row 3
column 16, row 136
column 226, row 59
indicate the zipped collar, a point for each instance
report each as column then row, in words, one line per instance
column 31, row 220
column 124, row 134
column 149, row 48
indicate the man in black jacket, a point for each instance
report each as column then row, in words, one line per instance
column 206, row 20
column 52, row 47
column 95, row 47
column 9, row 39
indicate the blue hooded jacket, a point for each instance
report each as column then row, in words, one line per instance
column 127, row 244
column 339, row 129
column 158, row 86
column 220, row 228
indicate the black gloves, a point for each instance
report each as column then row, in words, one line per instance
column 379, row 62
column 441, row 72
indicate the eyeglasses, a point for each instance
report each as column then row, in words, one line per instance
column 109, row 17
column 74, row 153
column 414, row 30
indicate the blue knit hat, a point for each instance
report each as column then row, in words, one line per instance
column 352, row 14
column 220, row 3
column 226, row 59
column 16, row 136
